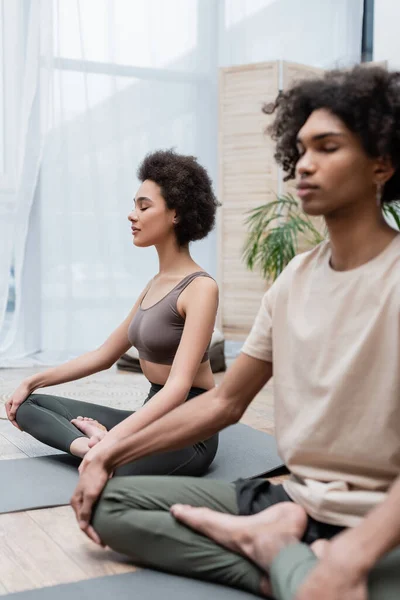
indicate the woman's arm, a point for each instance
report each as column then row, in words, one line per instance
column 200, row 306
column 91, row 362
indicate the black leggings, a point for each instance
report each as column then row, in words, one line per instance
column 48, row 419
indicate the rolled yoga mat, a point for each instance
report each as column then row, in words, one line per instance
column 47, row 481
column 139, row 585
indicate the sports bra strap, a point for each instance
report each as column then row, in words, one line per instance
column 178, row 289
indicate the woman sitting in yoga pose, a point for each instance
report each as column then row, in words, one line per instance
column 170, row 324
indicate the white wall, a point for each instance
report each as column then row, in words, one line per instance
column 318, row 33
column 386, row 32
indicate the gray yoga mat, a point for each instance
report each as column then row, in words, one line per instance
column 140, row 585
column 49, row 481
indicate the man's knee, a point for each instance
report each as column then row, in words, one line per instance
column 108, row 510
column 120, row 496
column 101, row 520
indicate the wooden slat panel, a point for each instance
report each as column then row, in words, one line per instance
column 292, row 72
column 248, row 177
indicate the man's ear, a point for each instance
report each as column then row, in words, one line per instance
column 383, row 170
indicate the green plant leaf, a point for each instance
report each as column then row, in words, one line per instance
column 273, row 235
column 392, row 212
column 274, row 229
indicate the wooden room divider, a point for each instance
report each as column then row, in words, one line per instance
column 248, row 177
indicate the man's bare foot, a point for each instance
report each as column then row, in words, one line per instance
column 91, row 428
column 259, row 537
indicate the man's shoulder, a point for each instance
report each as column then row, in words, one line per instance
column 309, row 258
column 299, row 267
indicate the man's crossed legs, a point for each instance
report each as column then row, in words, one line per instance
column 261, row 553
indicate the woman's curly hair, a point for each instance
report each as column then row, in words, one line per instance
column 367, row 100
column 187, row 188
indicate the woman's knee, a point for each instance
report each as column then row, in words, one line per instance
column 24, row 411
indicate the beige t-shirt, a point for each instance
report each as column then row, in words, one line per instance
column 334, row 341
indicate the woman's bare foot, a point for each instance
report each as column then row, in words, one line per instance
column 91, row 428
column 95, row 439
column 320, row 547
column 259, row 537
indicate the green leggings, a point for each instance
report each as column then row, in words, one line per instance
column 48, row 419
column 132, row 517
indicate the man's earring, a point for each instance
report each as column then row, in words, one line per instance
column 379, row 193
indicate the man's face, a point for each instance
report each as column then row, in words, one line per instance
column 333, row 171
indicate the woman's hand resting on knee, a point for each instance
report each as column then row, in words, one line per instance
column 18, row 397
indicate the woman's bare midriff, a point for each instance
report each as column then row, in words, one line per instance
column 159, row 374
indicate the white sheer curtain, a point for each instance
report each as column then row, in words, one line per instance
column 26, row 40
column 104, row 82
column 124, row 78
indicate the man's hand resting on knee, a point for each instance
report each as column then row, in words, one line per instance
column 336, row 577
column 96, row 452
column 91, row 484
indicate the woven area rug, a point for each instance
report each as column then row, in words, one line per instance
column 111, row 388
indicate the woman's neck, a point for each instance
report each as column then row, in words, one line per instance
column 357, row 240
column 173, row 258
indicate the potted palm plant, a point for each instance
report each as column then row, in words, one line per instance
column 275, row 230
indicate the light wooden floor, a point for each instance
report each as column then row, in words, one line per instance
column 45, row 547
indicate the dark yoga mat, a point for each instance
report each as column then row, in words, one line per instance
column 140, row 585
column 46, row 481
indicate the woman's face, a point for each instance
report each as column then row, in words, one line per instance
column 333, row 172
column 152, row 222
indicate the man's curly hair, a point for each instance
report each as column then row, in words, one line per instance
column 367, row 100
column 187, row 188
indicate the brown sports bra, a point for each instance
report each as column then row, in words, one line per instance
column 156, row 331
